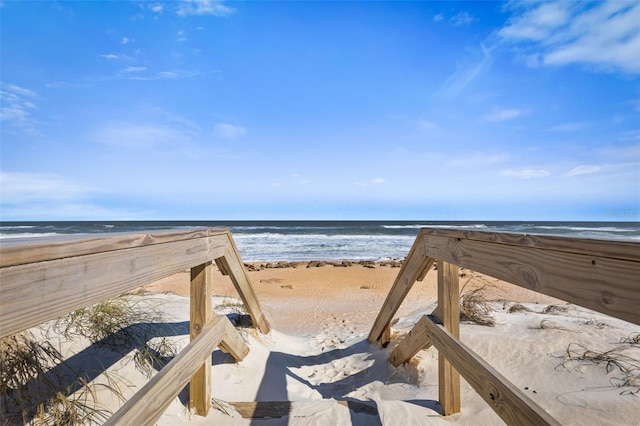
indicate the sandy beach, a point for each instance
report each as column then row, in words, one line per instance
column 303, row 298
column 317, row 351
column 316, row 367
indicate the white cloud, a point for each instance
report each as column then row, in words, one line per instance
column 604, row 35
column 110, row 56
column 462, row 18
column 427, row 125
column 569, row 127
column 503, row 114
column 525, row 173
column 439, row 17
column 464, row 75
column 203, row 7
column 168, row 74
column 134, row 69
column 27, row 187
column 229, row 131
column 17, row 106
column 141, row 136
column 583, row 170
column 374, row 181
column 156, row 7
column 47, row 196
column 20, row 90
column 126, row 40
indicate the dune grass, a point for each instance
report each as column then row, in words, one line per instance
column 474, row 307
column 622, row 359
column 37, row 387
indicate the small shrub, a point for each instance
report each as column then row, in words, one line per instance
column 474, row 307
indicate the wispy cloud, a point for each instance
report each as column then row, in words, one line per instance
column 203, row 7
column 374, row 181
column 229, row 131
column 427, row 125
column 583, row 170
column 46, row 196
column 503, row 114
column 464, row 75
column 134, row 69
column 142, row 136
column 462, row 18
column 603, row 35
column 18, row 187
column 17, row 107
column 110, row 56
column 438, row 18
column 156, row 7
column 525, row 173
column 569, row 127
column 143, row 74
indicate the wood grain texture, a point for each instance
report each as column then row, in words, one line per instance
column 605, row 284
column 449, row 311
column 60, row 247
column 512, row 405
column 33, row 293
column 415, row 341
column 232, row 263
column 615, row 249
column 150, row 402
column 413, row 268
column 278, row 409
column 200, row 314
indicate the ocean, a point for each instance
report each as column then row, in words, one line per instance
column 320, row 240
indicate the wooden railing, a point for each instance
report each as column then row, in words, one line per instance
column 597, row 274
column 40, row 281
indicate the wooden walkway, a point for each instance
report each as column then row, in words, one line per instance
column 40, row 281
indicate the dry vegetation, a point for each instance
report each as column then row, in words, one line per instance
column 37, row 386
column 474, row 307
column 623, row 359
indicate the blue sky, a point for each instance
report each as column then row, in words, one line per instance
column 320, row 110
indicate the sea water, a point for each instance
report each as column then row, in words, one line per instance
column 320, row 240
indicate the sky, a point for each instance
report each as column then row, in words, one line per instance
column 365, row 110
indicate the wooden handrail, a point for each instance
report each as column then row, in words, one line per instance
column 40, row 281
column 598, row 274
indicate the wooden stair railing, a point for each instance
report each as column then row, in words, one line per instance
column 43, row 280
column 601, row 275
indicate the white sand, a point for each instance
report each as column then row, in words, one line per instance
column 314, row 357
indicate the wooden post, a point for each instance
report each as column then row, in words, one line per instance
column 449, row 312
column 201, row 314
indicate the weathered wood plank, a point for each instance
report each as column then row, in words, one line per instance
column 449, row 311
column 200, row 315
column 62, row 246
column 415, row 341
column 33, row 293
column 278, row 409
column 616, row 249
column 604, row 284
column 232, row 263
column 414, row 267
column 150, row 402
column 511, row 404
